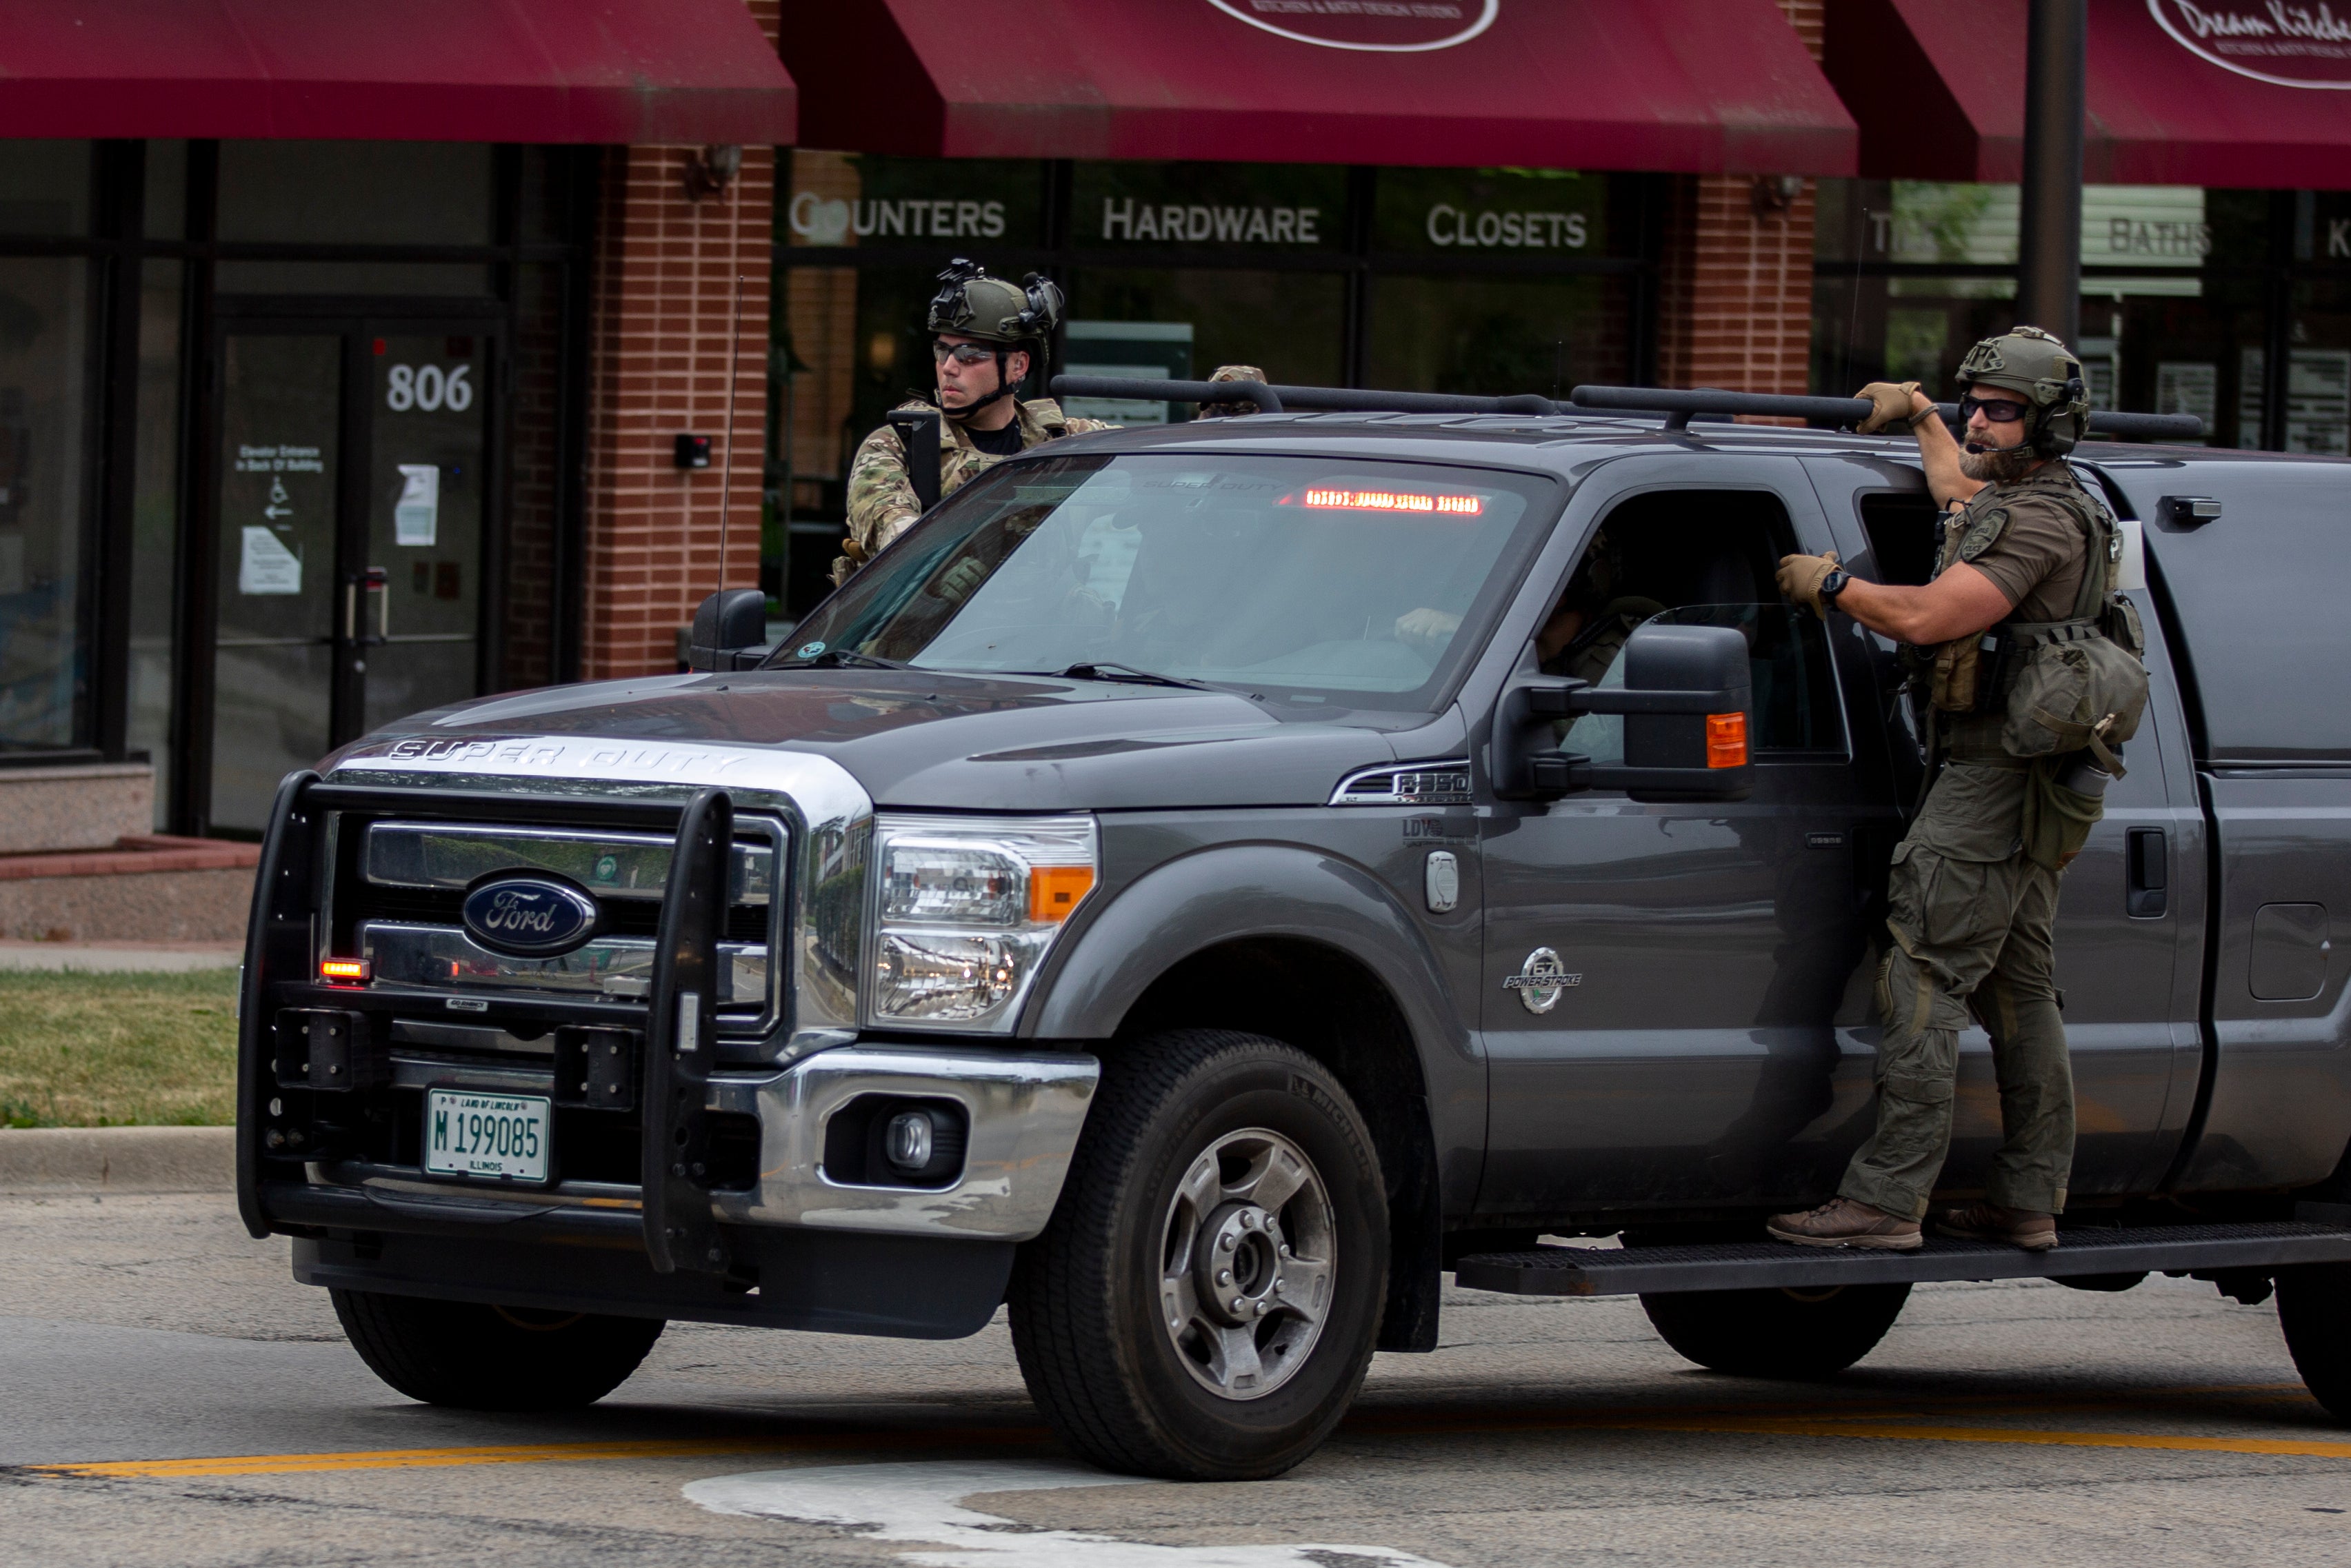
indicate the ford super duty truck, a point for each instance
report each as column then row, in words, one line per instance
column 1164, row 894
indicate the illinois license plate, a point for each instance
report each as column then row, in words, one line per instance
column 503, row 1137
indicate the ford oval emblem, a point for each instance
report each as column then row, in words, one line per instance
column 529, row 916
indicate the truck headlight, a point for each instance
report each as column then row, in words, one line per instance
column 966, row 909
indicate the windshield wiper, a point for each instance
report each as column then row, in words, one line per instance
column 846, row 658
column 1127, row 674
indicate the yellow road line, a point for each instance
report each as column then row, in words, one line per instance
column 2175, row 1442
column 1892, row 1420
column 528, row 1454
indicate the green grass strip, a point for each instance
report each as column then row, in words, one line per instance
column 115, row 1050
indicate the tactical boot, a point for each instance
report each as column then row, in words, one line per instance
column 1982, row 1222
column 1842, row 1222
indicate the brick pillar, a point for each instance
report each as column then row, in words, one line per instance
column 665, row 312
column 1735, row 283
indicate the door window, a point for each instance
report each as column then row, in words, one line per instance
column 1694, row 557
column 274, row 660
column 424, row 521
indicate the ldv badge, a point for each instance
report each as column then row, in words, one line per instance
column 1541, row 979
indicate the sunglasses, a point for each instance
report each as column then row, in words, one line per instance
column 1998, row 410
column 962, row 353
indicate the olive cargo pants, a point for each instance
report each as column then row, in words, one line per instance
column 1973, row 922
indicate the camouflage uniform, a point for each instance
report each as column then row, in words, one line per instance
column 881, row 503
column 1973, row 917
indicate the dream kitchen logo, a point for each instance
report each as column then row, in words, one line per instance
column 2280, row 42
column 1373, row 26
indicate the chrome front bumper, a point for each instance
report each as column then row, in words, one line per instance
column 1025, row 1109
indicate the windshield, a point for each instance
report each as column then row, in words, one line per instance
column 1336, row 580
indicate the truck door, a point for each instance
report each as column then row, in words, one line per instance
column 2129, row 920
column 1706, row 953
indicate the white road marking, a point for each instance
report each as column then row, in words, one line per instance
column 921, row 1501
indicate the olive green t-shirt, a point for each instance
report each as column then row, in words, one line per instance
column 2038, row 559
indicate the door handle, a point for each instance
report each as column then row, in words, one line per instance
column 2149, row 855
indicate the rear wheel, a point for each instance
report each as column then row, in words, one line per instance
column 1204, row 1304
column 478, row 1357
column 1782, row 1333
column 2315, row 1310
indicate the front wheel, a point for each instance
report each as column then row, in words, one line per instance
column 478, row 1357
column 1204, row 1304
column 2315, row 1310
column 1784, row 1333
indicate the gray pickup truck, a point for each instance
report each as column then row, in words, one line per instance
column 1166, row 895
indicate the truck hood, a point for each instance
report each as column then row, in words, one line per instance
column 915, row 738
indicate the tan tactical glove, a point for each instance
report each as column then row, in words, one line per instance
column 1889, row 405
column 1800, row 577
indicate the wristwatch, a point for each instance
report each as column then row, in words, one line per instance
column 1833, row 584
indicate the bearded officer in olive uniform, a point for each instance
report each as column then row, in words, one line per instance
column 1972, row 895
column 986, row 334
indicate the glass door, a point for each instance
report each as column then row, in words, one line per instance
column 427, row 436
column 276, row 580
column 351, row 519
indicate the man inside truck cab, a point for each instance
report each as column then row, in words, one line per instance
column 2027, row 661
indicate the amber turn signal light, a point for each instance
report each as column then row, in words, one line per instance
column 1055, row 890
column 343, row 971
column 1726, row 740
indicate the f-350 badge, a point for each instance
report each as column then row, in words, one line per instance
column 1541, row 979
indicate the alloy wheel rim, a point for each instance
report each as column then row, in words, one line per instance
column 1248, row 1261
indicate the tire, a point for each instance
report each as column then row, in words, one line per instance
column 474, row 1357
column 1790, row 1334
column 2315, row 1310
column 1134, row 1365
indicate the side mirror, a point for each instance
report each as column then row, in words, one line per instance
column 730, row 631
column 1687, row 707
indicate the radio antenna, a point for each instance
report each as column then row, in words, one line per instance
column 727, row 475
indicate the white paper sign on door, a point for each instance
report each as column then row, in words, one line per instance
column 416, row 517
column 266, row 566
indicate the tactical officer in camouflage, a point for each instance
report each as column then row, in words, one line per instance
column 1972, row 894
column 986, row 334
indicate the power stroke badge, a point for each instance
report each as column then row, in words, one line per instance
column 1541, row 979
column 529, row 916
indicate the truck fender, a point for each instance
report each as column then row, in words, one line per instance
column 1221, row 895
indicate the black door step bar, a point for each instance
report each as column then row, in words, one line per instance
column 1765, row 1265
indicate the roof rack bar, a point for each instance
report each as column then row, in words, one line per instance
column 1278, row 399
column 1688, row 404
column 1677, row 405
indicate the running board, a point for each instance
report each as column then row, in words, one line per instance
column 1765, row 1265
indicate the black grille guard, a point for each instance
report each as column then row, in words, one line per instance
column 679, row 1017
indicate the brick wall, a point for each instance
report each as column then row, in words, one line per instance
column 1735, row 286
column 666, row 315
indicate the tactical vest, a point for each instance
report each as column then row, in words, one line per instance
column 2038, row 688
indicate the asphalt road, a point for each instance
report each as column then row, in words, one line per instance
column 168, row 1395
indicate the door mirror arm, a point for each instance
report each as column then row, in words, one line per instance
column 1679, row 736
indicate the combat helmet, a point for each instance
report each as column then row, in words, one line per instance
column 1022, row 316
column 2042, row 371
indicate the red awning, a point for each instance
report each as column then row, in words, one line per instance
column 2216, row 93
column 404, row 70
column 1696, row 86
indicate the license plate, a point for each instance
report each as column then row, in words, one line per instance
column 503, row 1137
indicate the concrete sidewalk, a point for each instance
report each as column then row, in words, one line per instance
column 40, row 1160
column 120, row 957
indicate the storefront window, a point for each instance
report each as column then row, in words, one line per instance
column 2176, row 290
column 1549, row 214
column 1486, row 336
column 1477, row 280
column 45, row 188
column 44, row 391
column 1247, row 207
column 155, row 519
column 355, row 193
